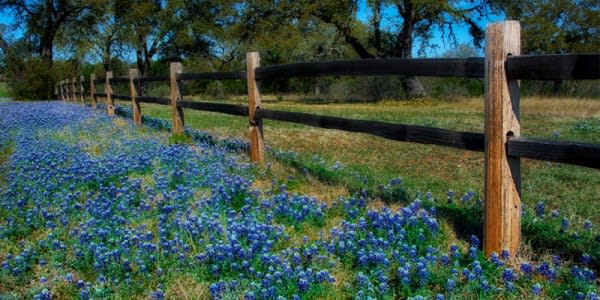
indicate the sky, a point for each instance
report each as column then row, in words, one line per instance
column 389, row 20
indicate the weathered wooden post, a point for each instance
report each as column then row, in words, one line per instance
column 176, row 95
column 65, row 95
column 73, row 89
column 502, row 218
column 66, row 89
column 93, row 90
column 135, row 106
column 81, row 91
column 257, row 145
column 110, row 104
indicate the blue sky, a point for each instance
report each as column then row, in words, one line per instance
column 389, row 21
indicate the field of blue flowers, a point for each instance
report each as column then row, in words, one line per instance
column 92, row 206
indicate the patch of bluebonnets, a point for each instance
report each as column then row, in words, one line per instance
column 138, row 210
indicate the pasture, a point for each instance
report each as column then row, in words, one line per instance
column 94, row 207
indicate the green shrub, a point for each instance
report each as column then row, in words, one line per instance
column 31, row 79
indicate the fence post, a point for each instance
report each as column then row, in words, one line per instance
column 73, row 89
column 93, row 90
column 65, row 89
column 110, row 104
column 176, row 94
column 60, row 90
column 81, row 91
column 257, row 145
column 135, row 106
column 502, row 218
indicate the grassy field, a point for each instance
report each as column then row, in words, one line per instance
column 98, row 208
column 3, row 90
column 424, row 168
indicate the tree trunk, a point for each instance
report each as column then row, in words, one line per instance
column 143, row 67
column 413, row 87
column 403, row 48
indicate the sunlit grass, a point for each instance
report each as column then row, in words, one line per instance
column 426, row 167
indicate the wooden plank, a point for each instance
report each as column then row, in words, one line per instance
column 61, row 90
column 575, row 153
column 255, row 131
column 437, row 67
column 93, row 90
column 154, row 100
column 554, row 67
column 81, row 91
column 213, row 76
column 176, row 95
column 135, row 106
column 73, row 89
column 120, row 97
column 502, row 217
column 119, row 80
column 110, row 103
column 154, row 79
column 398, row 132
column 231, row 109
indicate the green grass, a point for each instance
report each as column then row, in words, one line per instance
column 4, row 90
column 426, row 168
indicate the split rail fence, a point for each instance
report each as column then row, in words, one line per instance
column 502, row 68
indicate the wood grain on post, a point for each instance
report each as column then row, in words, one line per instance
column 93, row 90
column 110, row 104
column 135, row 106
column 257, row 145
column 73, row 89
column 60, row 90
column 81, row 91
column 502, row 217
column 176, row 94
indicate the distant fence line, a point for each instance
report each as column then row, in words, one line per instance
column 501, row 69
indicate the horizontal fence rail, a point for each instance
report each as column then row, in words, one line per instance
column 121, row 97
column 230, row 109
column 155, row 100
column 399, row 132
column 436, row 67
column 153, row 79
column 212, row 76
column 582, row 154
column 501, row 69
column 554, row 67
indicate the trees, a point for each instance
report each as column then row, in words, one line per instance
column 98, row 35
column 556, row 26
column 43, row 19
column 418, row 18
column 567, row 26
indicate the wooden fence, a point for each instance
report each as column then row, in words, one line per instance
column 501, row 69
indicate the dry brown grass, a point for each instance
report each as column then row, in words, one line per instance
column 187, row 288
column 561, row 107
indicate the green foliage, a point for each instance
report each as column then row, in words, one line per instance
column 180, row 138
column 31, row 80
column 4, row 92
column 550, row 26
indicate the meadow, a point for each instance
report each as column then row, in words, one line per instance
column 368, row 162
column 95, row 207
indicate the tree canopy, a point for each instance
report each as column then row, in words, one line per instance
column 215, row 34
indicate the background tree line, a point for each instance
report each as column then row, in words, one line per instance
column 63, row 37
